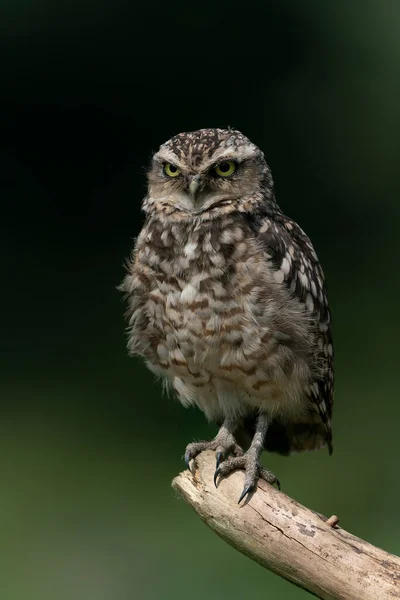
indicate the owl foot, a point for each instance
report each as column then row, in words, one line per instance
column 254, row 471
column 223, row 444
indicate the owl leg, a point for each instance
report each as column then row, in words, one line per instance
column 250, row 461
column 224, row 444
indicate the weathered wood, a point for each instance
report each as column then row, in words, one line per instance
column 289, row 539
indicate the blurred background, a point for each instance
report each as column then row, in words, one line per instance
column 88, row 444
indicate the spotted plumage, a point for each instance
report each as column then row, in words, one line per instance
column 227, row 302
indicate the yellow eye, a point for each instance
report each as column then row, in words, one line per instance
column 171, row 170
column 226, row 168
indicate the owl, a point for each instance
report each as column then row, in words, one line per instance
column 226, row 303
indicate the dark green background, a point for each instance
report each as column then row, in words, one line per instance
column 88, row 444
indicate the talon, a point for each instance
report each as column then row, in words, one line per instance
column 219, row 459
column 246, row 490
column 187, row 461
column 278, row 484
column 217, row 472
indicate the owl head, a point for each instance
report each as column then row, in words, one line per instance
column 205, row 173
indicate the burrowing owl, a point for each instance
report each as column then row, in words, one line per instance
column 227, row 303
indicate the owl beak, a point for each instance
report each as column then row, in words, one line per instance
column 194, row 185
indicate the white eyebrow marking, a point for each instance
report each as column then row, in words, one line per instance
column 169, row 157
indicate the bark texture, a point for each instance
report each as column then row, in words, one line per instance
column 289, row 539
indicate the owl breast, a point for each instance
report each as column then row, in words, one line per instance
column 208, row 314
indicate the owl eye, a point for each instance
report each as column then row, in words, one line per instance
column 171, row 170
column 226, row 168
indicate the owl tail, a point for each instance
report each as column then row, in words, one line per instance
column 308, row 432
column 305, row 433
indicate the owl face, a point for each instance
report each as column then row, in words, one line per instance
column 206, row 171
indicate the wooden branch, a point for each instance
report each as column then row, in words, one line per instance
column 289, row 539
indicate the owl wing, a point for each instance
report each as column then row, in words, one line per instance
column 296, row 265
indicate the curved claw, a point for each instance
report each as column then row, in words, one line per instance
column 278, row 484
column 217, row 472
column 219, row 458
column 246, row 490
column 187, row 459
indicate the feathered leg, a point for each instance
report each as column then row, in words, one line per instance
column 250, row 461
